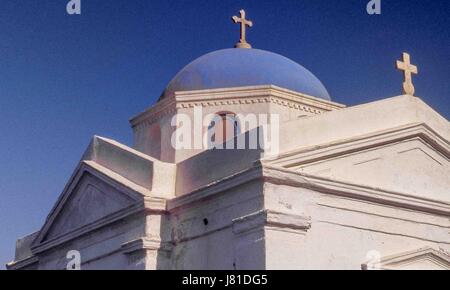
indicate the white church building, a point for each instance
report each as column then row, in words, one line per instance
column 327, row 186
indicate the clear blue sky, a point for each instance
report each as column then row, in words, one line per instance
column 65, row 78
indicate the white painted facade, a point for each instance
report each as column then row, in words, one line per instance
column 364, row 187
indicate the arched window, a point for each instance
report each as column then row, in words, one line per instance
column 223, row 127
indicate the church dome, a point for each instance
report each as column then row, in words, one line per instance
column 237, row 67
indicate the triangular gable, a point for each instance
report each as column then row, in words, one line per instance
column 420, row 259
column 412, row 160
column 94, row 197
column 90, row 201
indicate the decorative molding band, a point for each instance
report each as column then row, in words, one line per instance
column 256, row 91
column 154, row 113
column 152, row 119
column 234, row 96
column 250, row 101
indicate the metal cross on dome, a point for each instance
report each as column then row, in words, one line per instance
column 244, row 23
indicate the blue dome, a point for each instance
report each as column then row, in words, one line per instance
column 237, row 67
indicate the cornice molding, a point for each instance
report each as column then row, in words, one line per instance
column 419, row 131
column 282, row 176
column 278, row 175
column 255, row 91
column 17, row 265
column 154, row 113
column 255, row 95
column 234, row 96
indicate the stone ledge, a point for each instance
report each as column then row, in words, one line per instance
column 17, row 265
column 145, row 244
column 271, row 219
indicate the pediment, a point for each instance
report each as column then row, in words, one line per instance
column 415, row 165
column 420, row 259
column 90, row 199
